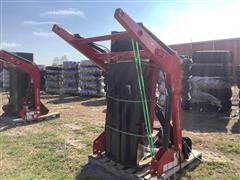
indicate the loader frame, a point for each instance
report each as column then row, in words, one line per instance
column 11, row 60
column 161, row 57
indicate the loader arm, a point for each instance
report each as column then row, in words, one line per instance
column 161, row 57
column 88, row 50
column 165, row 59
column 9, row 60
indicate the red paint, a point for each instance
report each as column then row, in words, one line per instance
column 115, row 36
column 99, row 144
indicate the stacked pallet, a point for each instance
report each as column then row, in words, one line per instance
column 1, row 78
column 237, row 72
column 70, row 77
column 5, row 79
column 42, row 70
column 54, row 79
column 161, row 91
column 91, row 81
column 210, row 88
column 186, row 66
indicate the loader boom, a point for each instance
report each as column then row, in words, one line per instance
column 161, row 58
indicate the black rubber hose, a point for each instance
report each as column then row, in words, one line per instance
column 167, row 128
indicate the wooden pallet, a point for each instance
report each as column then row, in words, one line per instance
column 40, row 118
column 121, row 172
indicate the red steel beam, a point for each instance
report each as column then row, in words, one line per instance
column 126, row 55
column 88, row 51
column 6, row 65
column 115, row 36
column 97, row 57
column 165, row 59
column 145, row 40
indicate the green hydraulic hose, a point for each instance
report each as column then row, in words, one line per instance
column 141, row 93
column 143, row 96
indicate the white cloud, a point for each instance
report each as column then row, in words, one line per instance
column 44, row 34
column 63, row 12
column 5, row 45
column 39, row 22
column 200, row 23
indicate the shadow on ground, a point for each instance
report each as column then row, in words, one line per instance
column 67, row 99
column 7, row 122
column 86, row 173
column 236, row 127
column 204, row 122
column 95, row 102
column 91, row 171
column 49, row 96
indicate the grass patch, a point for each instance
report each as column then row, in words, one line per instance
column 12, row 146
column 48, row 163
column 42, row 156
column 92, row 127
column 46, row 140
column 229, row 147
column 52, row 150
column 87, row 141
column 212, row 170
column 196, row 140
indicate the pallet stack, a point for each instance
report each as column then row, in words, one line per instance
column 1, row 78
column 210, row 87
column 161, row 91
column 186, row 66
column 161, row 88
column 70, row 77
column 237, row 72
column 5, row 79
column 42, row 70
column 91, row 81
column 54, row 79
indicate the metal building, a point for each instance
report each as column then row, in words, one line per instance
column 232, row 45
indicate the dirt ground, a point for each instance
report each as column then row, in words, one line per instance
column 58, row 149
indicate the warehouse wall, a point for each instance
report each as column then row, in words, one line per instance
column 232, row 45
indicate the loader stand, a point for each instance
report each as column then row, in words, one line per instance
column 174, row 153
column 31, row 108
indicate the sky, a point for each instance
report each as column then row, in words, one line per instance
column 26, row 25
